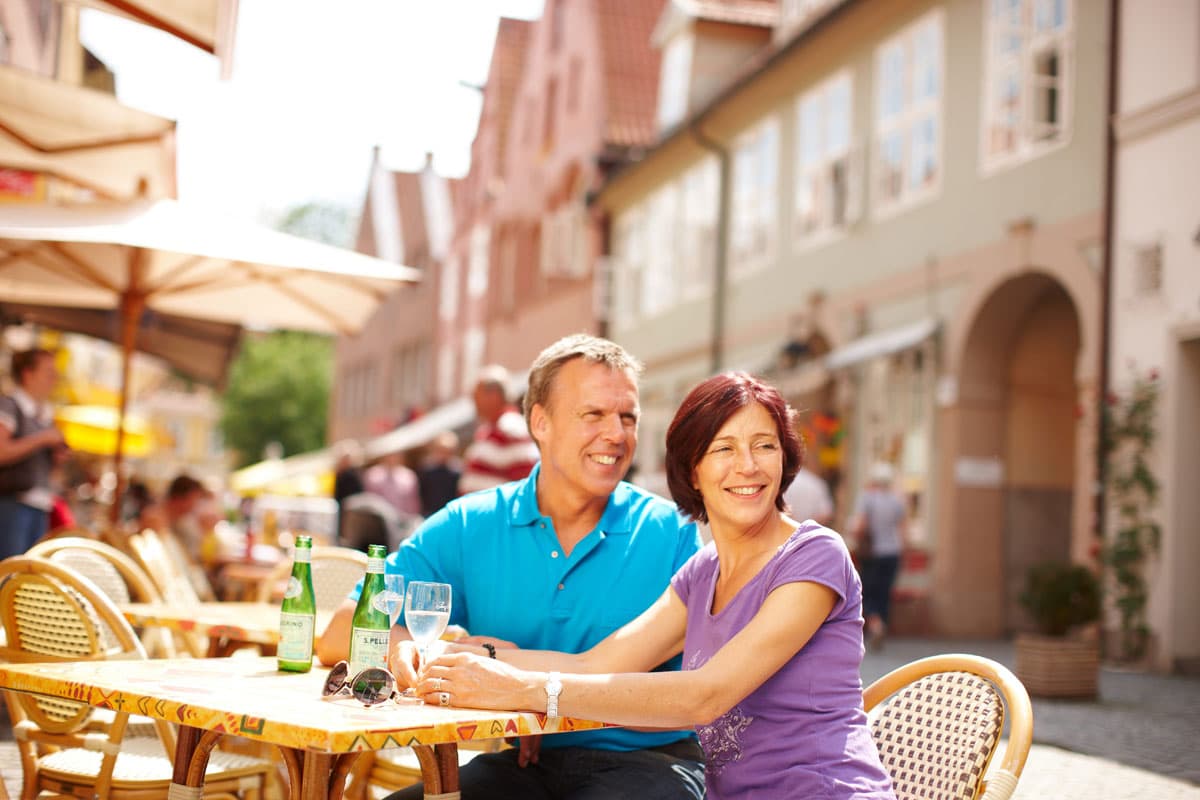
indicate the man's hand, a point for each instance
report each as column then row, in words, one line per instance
column 403, row 662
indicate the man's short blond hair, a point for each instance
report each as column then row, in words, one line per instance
column 579, row 345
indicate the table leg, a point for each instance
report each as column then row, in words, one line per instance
column 192, row 749
column 439, row 770
column 323, row 775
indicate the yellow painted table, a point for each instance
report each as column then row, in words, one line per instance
column 319, row 739
column 227, row 625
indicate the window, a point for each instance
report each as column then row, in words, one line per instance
column 448, row 299
column 908, row 113
column 674, row 80
column 549, row 111
column 473, row 345
column 574, row 84
column 698, row 232
column 755, row 170
column 477, row 266
column 826, row 170
column 630, row 251
column 660, row 283
column 507, row 290
column 1028, row 51
column 664, row 249
column 797, row 12
column 564, row 245
column 408, row 374
column 557, row 23
column 445, row 377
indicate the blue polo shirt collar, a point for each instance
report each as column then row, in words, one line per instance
column 524, row 511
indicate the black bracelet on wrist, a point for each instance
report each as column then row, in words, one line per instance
column 491, row 648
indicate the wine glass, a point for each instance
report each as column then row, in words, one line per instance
column 393, row 596
column 426, row 614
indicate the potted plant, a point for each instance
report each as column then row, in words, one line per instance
column 1058, row 661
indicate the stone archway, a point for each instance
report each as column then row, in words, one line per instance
column 1016, row 430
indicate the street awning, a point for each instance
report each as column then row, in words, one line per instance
column 303, row 475
column 207, row 24
column 882, row 343
column 84, row 137
column 422, row 430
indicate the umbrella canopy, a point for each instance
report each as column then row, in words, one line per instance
column 200, row 349
column 161, row 255
column 164, row 256
column 82, row 137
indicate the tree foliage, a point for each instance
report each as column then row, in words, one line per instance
column 278, row 391
column 323, row 222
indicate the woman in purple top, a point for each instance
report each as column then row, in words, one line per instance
column 768, row 617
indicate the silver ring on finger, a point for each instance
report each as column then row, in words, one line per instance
column 443, row 698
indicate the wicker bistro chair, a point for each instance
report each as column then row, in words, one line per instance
column 937, row 723
column 51, row 614
column 115, row 574
column 150, row 551
column 335, row 571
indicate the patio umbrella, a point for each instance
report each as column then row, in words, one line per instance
column 166, row 257
column 198, row 348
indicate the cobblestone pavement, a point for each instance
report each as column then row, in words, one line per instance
column 1139, row 741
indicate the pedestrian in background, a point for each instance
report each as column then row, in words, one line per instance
column 347, row 478
column 392, row 480
column 501, row 449
column 438, row 479
column 808, row 498
column 879, row 537
column 30, row 446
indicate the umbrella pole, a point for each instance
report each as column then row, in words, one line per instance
column 132, row 304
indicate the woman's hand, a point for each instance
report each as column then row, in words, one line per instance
column 475, row 681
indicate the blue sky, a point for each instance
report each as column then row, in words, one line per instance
column 315, row 86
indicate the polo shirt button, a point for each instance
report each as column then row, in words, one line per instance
column 554, row 554
column 542, row 525
column 561, row 587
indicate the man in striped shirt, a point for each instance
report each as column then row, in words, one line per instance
column 501, row 449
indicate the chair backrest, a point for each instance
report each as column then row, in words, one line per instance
column 116, row 574
column 52, row 613
column 335, row 571
column 168, row 576
column 937, row 723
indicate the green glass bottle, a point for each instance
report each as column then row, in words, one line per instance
column 371, row 627
column 298, row 615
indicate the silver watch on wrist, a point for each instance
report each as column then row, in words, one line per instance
column 553, row 690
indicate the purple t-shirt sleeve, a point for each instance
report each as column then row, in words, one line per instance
column 686, row 579
column 819, row 557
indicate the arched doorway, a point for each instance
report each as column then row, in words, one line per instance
column 1017, row 441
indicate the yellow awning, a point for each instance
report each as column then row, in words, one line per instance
column 93, row 429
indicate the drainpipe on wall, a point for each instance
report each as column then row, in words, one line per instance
column 1110, row 241
column 721, row 263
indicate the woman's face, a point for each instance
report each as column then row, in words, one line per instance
column 739, row 474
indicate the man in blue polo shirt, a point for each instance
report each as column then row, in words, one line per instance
column 558, row 561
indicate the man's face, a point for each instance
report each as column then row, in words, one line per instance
column 489, row 402
column 41, row 379
column 587, row 431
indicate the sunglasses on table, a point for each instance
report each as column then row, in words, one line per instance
column 370, row 687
